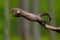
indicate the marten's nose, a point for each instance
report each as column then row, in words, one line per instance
column 13, row 10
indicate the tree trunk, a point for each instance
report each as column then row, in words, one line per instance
column 23, row 24
column 6, row 25
column 50, row 3
column 35, row 25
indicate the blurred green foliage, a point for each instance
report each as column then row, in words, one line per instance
column 43, row 7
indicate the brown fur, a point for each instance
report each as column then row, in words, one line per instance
column 34, row 17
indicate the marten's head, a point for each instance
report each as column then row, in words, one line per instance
column 15, row 12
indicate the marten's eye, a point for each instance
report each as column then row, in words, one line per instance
column 18, row 12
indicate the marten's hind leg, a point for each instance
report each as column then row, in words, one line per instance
column 45, row 15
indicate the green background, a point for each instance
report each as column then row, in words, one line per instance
column 43, row 7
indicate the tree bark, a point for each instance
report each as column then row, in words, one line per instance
column 35, row 25
column 6, row 25
column 50, row 5
column 23, row 24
